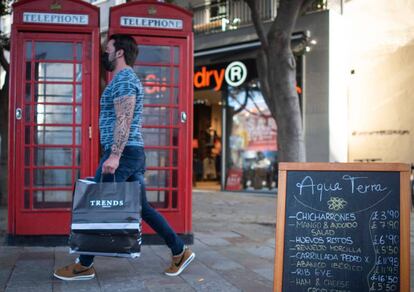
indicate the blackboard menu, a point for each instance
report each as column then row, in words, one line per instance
column 342, row 231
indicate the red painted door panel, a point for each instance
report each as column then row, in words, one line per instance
column 52, row 136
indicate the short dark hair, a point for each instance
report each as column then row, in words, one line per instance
column 128, row 45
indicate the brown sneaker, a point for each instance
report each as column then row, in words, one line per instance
column 180, row 262
column 75, row 272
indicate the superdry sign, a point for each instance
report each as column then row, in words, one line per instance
column 234, row 74
column 164, row 23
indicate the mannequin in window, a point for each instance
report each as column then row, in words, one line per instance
column 216, row 154
column 261, row 161
column 209, row 166
column 210, row 136
column 261, row 171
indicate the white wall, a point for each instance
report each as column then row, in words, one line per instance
column 381, row 90
column 338, row 98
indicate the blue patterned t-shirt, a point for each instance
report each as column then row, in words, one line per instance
column 124, row 83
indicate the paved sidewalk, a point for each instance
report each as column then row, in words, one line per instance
column 234, row 246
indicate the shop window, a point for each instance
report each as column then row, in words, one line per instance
column 251, row 158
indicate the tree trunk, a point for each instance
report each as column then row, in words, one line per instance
column 277, row 74
column 282, row 77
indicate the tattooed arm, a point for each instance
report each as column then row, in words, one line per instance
column 124, row 111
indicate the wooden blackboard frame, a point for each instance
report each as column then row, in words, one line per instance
column 405, row 204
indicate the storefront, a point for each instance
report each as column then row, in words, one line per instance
column 235, row 136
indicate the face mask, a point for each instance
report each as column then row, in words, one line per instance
column 108, row 65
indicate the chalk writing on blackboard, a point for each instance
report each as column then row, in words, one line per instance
column 342, row 231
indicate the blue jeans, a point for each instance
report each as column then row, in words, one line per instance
column 132, row 168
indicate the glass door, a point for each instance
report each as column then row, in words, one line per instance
column 159, row 65
column 53, row 139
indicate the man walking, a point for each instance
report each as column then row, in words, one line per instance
column 120, row 122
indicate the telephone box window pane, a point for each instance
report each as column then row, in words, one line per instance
column 54, row 93
column 28, row 50
column 156, row 94
column 78, row 157
column 174, row 199
column 154, row 54
column 78, row 93
column 158, row 115
column 78, row 114
column 157, row 198
column 28, row 95
column 176, row 76
column 27, row 178
column 53, row 135
column 78, row 72
column 174, row 178
column 53, row 51
column 27, row 112
column 28, row 71
column 27, row 135
column 156, row 137
column 175, row 158
column 160, row 158
column 78, row 135
column 54, row 72
column 79, row 52
column 174, row 96
column 26, row 199
column 157, row 178
column 159, row 137
column 53, row 156
column 52, row 177
column 27, row 160
column 54, row 114
column 77, row 174
column 176, row 117
column 175, row 137
column 160, row 74
column 52, row 199
column 176, row 55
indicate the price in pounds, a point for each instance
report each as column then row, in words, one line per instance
column 394, row 225
column 375, row 286
column 387, row 250
column 384, row 278
column 389, row 224
column 385, row 215
column 388, row 260
column 392, row 239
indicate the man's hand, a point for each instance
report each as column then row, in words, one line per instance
column 111, row 164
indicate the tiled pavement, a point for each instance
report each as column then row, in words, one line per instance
column 234, row 249
column 234, row 246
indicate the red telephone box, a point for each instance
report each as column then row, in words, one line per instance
column 165, row 66
column 54, row 97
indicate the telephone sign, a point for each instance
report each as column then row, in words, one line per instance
column 152, row 22
column 56, row 18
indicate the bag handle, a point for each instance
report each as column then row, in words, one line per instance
column 113, row 183
column 102, row 175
